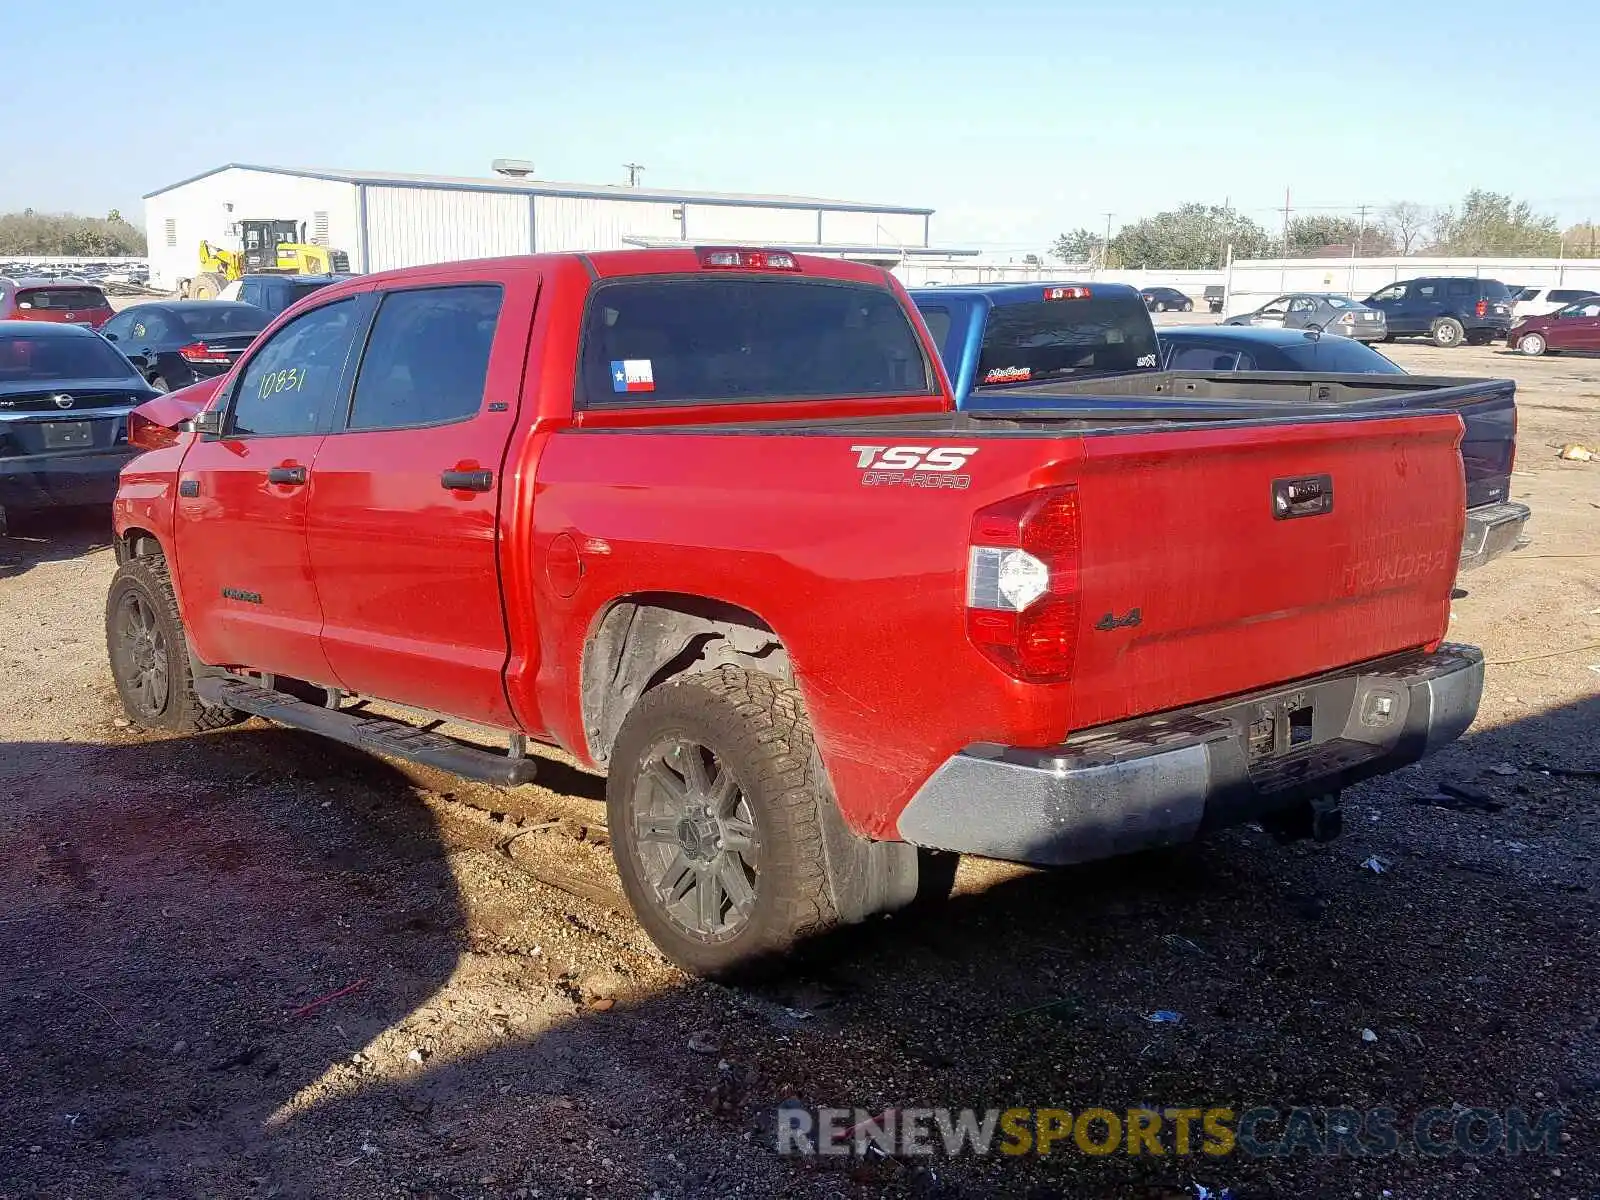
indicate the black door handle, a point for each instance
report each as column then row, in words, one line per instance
column 467, row 481
column 289, row 475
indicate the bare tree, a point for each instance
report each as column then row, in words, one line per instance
column 1407, row 224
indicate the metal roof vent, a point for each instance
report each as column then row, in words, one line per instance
column 516, row 168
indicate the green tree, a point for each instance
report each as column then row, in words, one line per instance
column 1191, row 237
column 1311, row 234
column 1582, row 240
column 1079, row 246
column 32, row 233
column 1494, row 223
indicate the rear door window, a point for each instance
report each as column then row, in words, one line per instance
column 1056, row 339
column 734, row 340
column 427, row 358
column 289, row 385
column 1458, row 289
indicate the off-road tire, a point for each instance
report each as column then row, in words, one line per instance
column 1448, row 333
column 180, row 710
column 206, row 286
column 757, row 727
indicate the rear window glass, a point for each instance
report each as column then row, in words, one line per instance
column 1462, row 287
column 220, row 317
column 1567, row 295
column 1342, row 356
column 740, row 339
column 1493, row 289
column 47, row 358
column 61, row 297
column 1054, row 339
column 1530, row 294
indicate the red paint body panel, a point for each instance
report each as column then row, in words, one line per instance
column 865, row 585
column 408, row 571
column 415, row 594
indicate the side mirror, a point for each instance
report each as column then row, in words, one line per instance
column 208, row 421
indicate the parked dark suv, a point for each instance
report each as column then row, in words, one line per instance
column 1448, row 309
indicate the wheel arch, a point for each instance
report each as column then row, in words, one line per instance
column 641, row 640
column 136, row 542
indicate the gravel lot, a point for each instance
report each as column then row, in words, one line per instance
column 173, row 910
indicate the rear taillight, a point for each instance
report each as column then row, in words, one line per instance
column 1022, row 584
column 748, row 260
column 1483, row 308
column 199, row 352
column 145, row 434
column 1066, row 293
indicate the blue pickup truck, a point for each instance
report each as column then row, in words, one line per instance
column 1089, row 347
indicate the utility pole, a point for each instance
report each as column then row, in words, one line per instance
column 1105, row 246
column 1227, row 230
column 633, row 170
column 1361, row 231
column 1286, row 222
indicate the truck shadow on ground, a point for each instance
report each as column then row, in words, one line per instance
column 54, row 536
column 178, row 902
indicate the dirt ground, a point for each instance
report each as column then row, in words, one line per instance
column 253, row 964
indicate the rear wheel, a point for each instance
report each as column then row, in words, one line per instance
column 1161, row 306
column 149, row 655
column 1447, row 332
column 206, row 286
column 715, row 802
column 1188, row 306
column 1532, row 344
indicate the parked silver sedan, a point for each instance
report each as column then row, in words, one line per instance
column 1318, row 311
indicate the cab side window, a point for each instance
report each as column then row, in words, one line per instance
column 427, row 358
column 291, row 382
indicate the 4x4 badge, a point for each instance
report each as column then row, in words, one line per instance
column 1127, row 621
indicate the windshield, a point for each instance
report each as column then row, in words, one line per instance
column 215, row 318
column 742, row 339
column 1054, row 339
column 24, row 359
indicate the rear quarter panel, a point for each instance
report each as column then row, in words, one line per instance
column 865, row 585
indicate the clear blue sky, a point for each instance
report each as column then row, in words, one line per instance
column 1014, row 120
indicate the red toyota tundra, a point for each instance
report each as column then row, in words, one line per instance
column 708, row 520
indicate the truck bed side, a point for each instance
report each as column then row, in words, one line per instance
column 863, row 576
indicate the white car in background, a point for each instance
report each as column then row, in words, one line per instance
column 1542, row 301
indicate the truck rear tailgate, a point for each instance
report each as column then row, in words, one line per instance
column 1213, row 565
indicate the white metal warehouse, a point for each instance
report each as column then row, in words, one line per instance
column 384, row 220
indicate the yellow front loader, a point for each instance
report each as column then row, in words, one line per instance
column 269, row 247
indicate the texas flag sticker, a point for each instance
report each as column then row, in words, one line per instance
column 632, row 375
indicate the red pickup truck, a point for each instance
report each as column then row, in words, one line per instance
column 708, row 520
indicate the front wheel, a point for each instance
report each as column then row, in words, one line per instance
column 1188, row 306
column 1532, row 344
column 1447, row 332
column 149, row 655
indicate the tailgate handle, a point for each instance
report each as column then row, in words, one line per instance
column 1309, row 496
